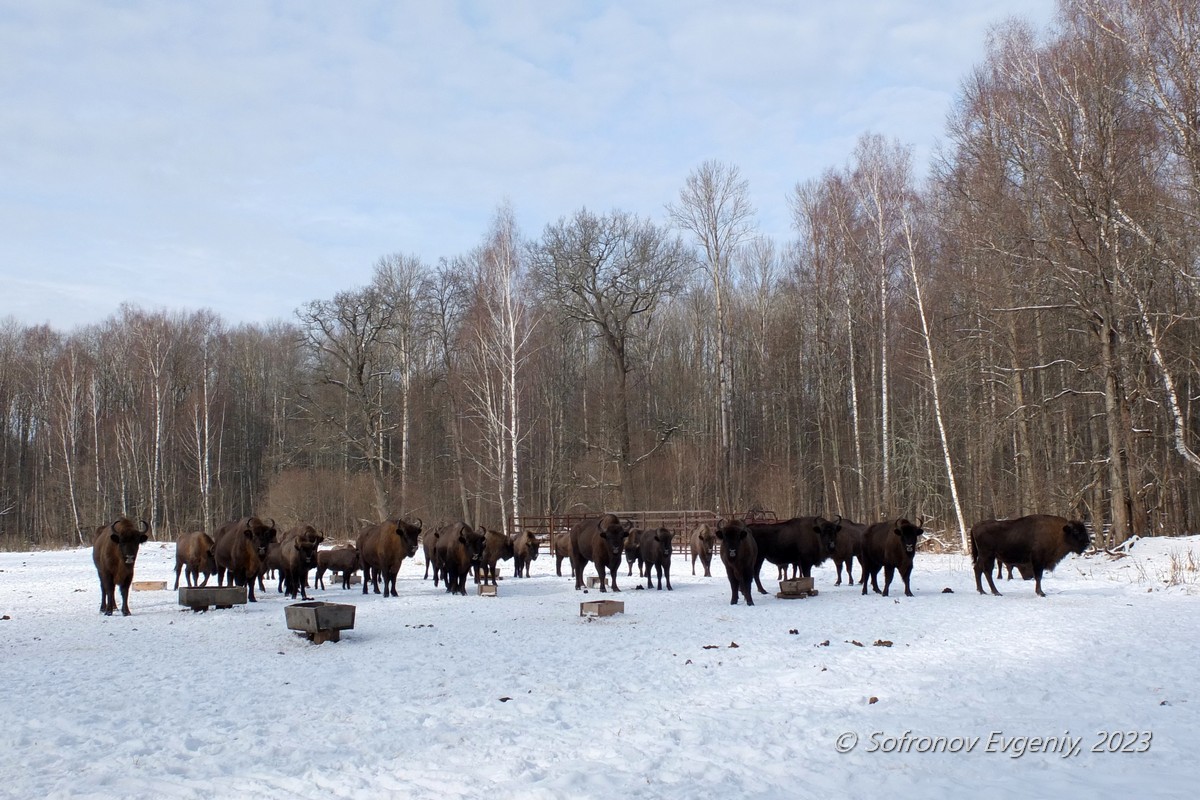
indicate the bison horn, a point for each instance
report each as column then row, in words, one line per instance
column 838, row 521
column 921, row 521
column 145, row 526
column 419, row 523
column 272, row 522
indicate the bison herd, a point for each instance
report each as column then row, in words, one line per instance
column 246, row 550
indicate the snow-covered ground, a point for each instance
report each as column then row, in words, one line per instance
column 682, row 696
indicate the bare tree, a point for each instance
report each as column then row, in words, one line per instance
column 608, row 272
column 714, row 207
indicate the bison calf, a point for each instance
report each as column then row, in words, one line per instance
column 1039, row 540
column 114, row 552
column 525, row 550
column 193, row 555
column 560, row 543
column 739, row 554
column 342, row 560
column 701, row 546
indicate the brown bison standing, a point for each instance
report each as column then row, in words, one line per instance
column 193, row 555
column 560, row 543
column 297, row 555
column 891, row 545
column 114, row 552
column 600, row 541
column 459, row 550
column 1039, row 540
column 633, row 550
column 849, row 547
column 525, row 550
column 497, row 547
column 739, row 554
column 382, row 548
column 342, row 559
column 802, row 541
column 701, row 544
column 241, row 550
column 429, row 547
column 655, row 553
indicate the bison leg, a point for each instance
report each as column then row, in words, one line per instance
column 746, row 591
column 125, row 596
column 707, row 562
column 888, row 573
column 693, row 563
column 984, row 567
column 905, row 574
column 757, row 570
column 734, row 586
column 1037, row 576
column 837, row 563
column 667, row 572
column 178, row 569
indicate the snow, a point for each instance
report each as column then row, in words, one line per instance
column 517, row 696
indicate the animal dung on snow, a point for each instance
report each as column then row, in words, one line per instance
column 601, row 608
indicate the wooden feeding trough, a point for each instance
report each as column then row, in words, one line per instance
column 487, row 590
column 601, row 608
column 199, row 598
column 149, row 586
column 319, row 621
column 593, row 581
column 796, row 588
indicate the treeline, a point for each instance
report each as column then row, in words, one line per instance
column 1016, row 334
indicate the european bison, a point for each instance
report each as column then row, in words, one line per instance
column 429, row 548
column 1040, row 540
column 193, row 555
column 633, row 550
column 497, row 547
column 739, row 554
column 891, row 545
column 114, row 552
column 241, row 548
column 655, row 552
column 803, row 541
column 525, row 550
column 560, row 543
column 701, row 545
column 382, row 548
column 601, row 541
column 297, row 555
column 459, row 549
column 342, row 559
column 848, row 548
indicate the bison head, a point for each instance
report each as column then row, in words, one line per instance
column 128, row 538
column 1076, row 535
column 260, row 534
column 665, row 538
column 909, row 535
column 613, row 532
column 473, row 541
column 827, row 533
column 732, row 534
column 411, row 534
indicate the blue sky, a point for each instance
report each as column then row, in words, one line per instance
column 251, row 156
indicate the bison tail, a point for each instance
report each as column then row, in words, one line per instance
column 971, row 546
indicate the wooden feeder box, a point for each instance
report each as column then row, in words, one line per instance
column 199, row 598
column 149, row 586
column 601, row 608
column 796, row 588
column 487, row 590
column 593, row 581
column 319, row 621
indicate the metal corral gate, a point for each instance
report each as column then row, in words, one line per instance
column 681, row 523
